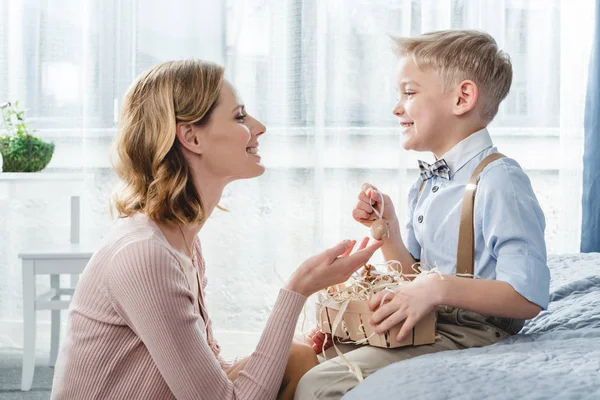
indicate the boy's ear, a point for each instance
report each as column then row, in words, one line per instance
column 189, row 137
column 466, row 96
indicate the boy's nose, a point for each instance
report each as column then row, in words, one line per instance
column 398, row 110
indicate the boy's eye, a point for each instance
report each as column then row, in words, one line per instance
column 408, row 94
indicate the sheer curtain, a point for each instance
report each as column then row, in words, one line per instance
column 320, row 75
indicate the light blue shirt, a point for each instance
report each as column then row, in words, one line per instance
column 509, row 223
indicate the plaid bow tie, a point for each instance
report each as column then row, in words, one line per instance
column 439, row 168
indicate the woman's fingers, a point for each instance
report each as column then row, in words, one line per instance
column 328, row 341
column 318, row 338
column 323, row 344
column 351, row 263
column 339, row 249
column 349, row 249
column 310, row 336
column 366, row 252
column 363, row 244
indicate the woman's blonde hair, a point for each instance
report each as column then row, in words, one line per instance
column 155, row 176
column 457, row 55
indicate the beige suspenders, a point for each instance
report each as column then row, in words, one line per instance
column 465, row 255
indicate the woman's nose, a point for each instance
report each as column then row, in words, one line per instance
column 258, row 129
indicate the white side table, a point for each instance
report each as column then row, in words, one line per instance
column 70, row 259
column 25, row 185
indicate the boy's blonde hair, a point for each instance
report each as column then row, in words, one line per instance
column 155, row 176
column 457, row 55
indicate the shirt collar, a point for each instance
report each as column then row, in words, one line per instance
column 465, row 150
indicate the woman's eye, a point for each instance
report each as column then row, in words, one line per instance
column 241, row 117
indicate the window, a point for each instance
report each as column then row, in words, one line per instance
column 320, row 74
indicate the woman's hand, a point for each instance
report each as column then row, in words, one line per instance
column 407, row 305
column 333, row 266
column 318, row 340
column 369, row 199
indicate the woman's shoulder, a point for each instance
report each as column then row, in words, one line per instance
column 138, row 258
column 135, row 243
column 125, row 233
column 132, row 254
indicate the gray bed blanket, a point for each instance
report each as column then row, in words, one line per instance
column 556, row 355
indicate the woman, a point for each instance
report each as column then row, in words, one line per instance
column 138, row 327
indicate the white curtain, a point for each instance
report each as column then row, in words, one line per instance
column 320, row 75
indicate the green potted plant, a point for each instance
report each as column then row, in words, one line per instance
column 21, row 150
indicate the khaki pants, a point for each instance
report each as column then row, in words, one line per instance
column 456, row 329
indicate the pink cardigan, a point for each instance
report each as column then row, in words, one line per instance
column 136, row 328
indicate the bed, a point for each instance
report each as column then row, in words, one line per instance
column 556, row 355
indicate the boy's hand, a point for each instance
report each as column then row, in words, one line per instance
column 370, row 198
column 407, row 305
column 315, row 338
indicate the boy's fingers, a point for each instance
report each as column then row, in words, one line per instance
column 382, row 313
column 360, row 215
column 369, row 200
column 407, row 326
column 375, row 301
column 365, row 187
column 364, row 199
column 392, row 320
column 365, row 206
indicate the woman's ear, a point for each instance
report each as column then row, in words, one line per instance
column 467, row 94
column 189, row 137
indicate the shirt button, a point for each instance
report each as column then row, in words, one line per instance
column 434, row 189
column 420, row 219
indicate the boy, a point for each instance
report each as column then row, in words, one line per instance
column 451, row 84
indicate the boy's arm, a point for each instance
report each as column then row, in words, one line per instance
column 412, row 302
column 483, row 296
column 406, row 250
column 512, row 224
column 394, row 249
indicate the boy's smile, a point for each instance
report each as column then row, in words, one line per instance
column 423, row 107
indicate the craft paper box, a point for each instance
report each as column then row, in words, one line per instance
column 355, row 325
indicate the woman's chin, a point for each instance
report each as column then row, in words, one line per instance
column 259, row 170
column 254, row 171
